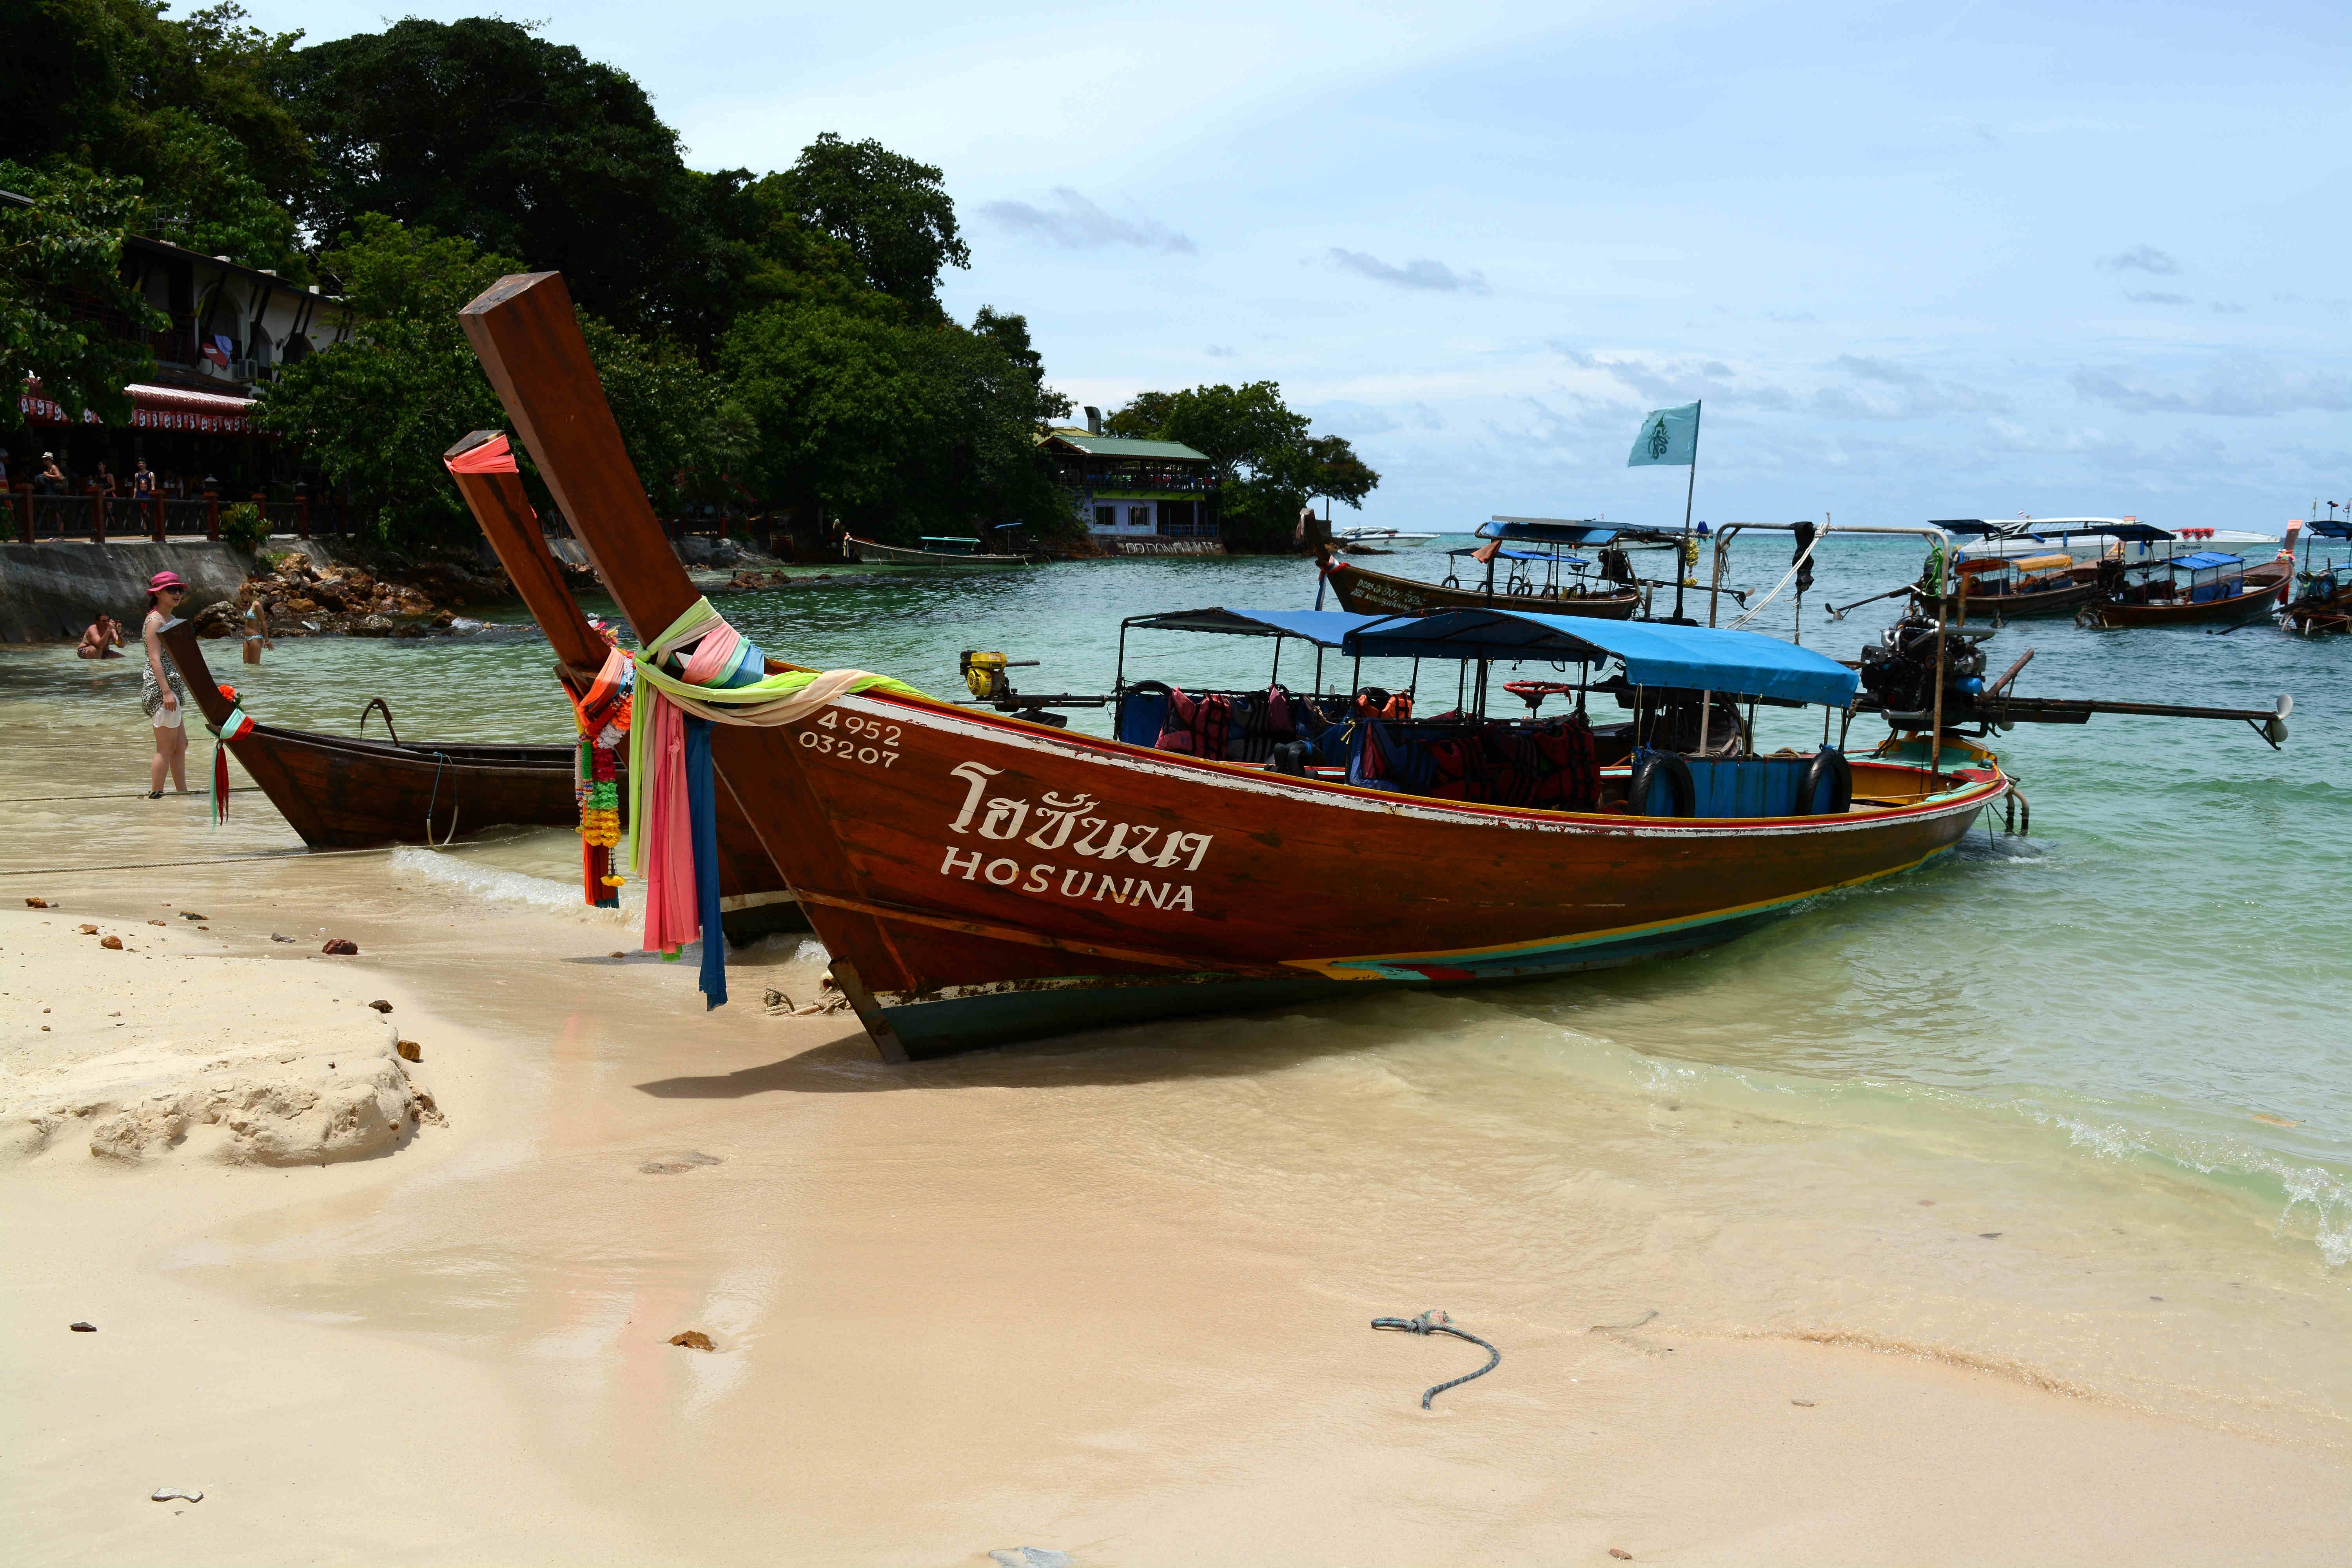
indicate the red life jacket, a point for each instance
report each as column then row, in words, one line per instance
column 1196, row 727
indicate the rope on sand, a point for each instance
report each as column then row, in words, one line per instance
column 1437, row 1322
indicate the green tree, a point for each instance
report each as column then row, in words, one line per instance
column 895, row 428
column 62, row 299
column 376, row 413
column 893, row 213
column 188, row 108
column 482, row 130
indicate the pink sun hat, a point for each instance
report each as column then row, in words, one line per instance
column 162, row 580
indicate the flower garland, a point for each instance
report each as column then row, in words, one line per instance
column 602, row 717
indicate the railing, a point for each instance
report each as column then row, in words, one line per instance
column 30, row 518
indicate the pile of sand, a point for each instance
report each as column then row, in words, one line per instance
column 170, row 1046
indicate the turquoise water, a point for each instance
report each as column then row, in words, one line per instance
column 2130, row 1028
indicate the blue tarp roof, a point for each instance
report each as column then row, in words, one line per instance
column 2206, row 560
column 1323, row 627
column 2330, row 527
column 1546, row 531
column 1526, row 555
column 1748, row 664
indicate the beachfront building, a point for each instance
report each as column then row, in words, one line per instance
column 1136, row 497
column 228, row 330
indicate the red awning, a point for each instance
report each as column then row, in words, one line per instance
column 154, row 408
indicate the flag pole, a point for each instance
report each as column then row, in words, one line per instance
column 1682, row 559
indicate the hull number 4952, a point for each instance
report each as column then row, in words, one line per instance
column 854, row 738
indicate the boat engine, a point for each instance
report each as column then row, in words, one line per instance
column 1898, row 671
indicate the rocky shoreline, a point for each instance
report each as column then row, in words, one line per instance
column 304, row 599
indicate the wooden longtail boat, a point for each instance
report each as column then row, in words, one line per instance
column 2231, row 591
column 979, row 878
column 345, row 792
column 1369, row 592
column 877, row 554
column 2017, row 589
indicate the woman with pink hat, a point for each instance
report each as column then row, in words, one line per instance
column 160, row 691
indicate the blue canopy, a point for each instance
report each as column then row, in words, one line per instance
column 2330, row 527
column 2207, row 560
column 1745, row 664
column 1322, row 627
column 1526, row 556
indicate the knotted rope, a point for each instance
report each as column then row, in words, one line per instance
column 1437, row 1322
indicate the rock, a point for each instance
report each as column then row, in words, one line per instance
column 1619, row 1552
column 693, row 1340
column 410, row 1051
column 87, row 930
column 111, row 944
column 83, row 1328
column 189, row 915
column 36, row 903
column 724, row 553
column 219, row 619
column 173, row 1494
column 694, row 550
column 380, row 1007
column 160, row 922
column 341, row 946
column 371, row 627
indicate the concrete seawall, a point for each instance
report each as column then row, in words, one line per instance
column 53, row 590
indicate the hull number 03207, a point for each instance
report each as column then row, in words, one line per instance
column 854, row 739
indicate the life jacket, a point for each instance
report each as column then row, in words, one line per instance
column 1278, row 722
column 1456, row 770
column 1562, row 772
column 1196, row 727
column 1397, row 708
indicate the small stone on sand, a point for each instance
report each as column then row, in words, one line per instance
column 380, row 1007
column 410, row 1051
column 111, row 944
column 87, row 930
column 1806, row 1403
column 36, row 903
column 693, row 1340
column 83, row 1328
column 1620, row 1554
column 341, row 946
column 1990, row 1235
column 275, row 937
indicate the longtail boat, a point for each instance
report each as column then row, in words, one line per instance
column 934, row 552
column 980, row 878
column 2204, row 588
column 1532, row 555
column 2322, row 595
column 342, row 792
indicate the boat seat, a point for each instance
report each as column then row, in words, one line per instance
column 1548, row 766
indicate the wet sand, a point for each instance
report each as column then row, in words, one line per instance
column 1107, row 1296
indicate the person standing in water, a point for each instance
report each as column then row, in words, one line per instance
column 257, row 627
column 160, row 691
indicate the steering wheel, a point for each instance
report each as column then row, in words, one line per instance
column 1533, row 692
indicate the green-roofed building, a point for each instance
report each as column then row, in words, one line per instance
column 1139, row 497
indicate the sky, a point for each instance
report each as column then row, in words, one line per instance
column 1917, row 261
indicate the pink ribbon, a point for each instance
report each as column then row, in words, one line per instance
column 671, row 918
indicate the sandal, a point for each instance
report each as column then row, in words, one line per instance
column 154, row 794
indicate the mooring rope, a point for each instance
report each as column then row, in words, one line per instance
column 1437, row 1322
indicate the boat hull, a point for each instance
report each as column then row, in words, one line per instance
column 997, row 881
column 869, row 552
column 1984, row 607
column 1367, row 593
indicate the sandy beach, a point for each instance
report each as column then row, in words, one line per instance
column 1027, row 1298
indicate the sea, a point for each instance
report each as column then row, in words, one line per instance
column 2075, row 1106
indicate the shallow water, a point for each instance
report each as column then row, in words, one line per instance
column 2120, row 1046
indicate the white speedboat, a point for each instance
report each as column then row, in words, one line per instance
column 2002, row 537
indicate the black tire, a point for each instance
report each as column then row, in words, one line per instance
column 1681, row 791
column 1841, row 775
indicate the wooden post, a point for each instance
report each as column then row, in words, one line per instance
column 98, row 517
column 155, row 517
column 212, row 510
